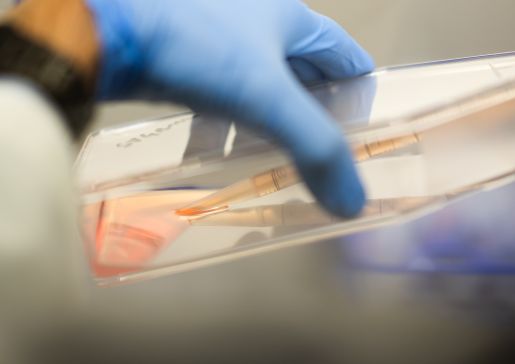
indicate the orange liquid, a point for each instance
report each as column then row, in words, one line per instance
column 126, row 234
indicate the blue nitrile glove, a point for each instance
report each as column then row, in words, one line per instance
column 235, row 58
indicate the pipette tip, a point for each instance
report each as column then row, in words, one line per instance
column 193, row 212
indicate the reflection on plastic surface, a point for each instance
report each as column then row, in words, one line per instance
column 171, row 149
column 135, row 178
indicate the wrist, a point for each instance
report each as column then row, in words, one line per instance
column 65, row 27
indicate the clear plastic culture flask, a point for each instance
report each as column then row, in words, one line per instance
column 134, row 178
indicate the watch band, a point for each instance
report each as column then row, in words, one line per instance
column 22, row 56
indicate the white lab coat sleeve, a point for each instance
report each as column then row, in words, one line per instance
column 40, row 257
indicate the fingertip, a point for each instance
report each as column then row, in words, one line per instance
column 367, row 62
column 335, row 52
column 364, row 63
column 333, row 179
column 348, row 201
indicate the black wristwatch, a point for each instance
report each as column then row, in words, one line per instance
column 54, row 74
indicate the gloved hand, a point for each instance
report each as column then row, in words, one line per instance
column 238, row 59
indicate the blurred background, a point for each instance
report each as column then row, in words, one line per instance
column 317, row 304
